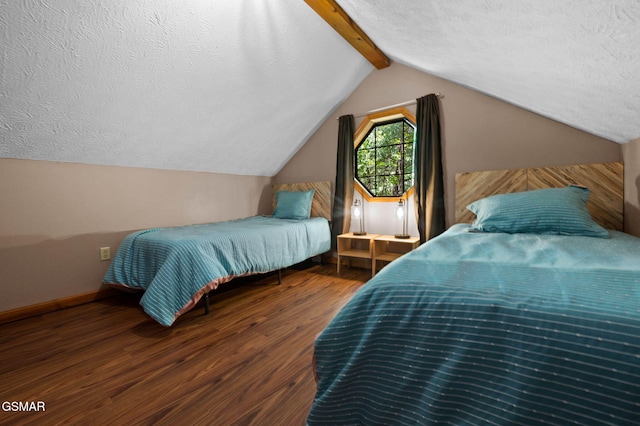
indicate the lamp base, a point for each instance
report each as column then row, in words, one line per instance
column 402, row 236
column 360, row 233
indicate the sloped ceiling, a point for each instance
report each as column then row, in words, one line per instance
column 215, row 86
column 238, row 86
column 575, row 61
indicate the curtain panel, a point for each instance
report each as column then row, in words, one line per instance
column 345, row 175
column 428, row 181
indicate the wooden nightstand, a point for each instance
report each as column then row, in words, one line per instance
column 360, row 246
column 388, row 248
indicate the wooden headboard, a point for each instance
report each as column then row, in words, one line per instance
column 604, row 180
column 322, row 197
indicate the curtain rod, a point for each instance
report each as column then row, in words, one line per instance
column 401, row 104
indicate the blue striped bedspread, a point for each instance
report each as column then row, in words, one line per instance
column 176, row 266
column 498, row 329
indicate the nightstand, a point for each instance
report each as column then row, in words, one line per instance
column 388, row 248
column 360, row 246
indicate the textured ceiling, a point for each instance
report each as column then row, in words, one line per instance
column 227, row 87
column 238, row 86
column 575, row 61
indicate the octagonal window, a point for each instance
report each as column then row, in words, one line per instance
column 384, row 157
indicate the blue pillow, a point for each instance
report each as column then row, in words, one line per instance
column 560, row 211
column 293, row 204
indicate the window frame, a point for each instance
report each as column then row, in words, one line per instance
column 360, row 135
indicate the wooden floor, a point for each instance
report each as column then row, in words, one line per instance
column 246, row 363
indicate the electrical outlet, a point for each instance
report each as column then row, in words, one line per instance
column 105, row 253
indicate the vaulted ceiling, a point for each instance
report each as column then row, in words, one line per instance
column 575, row 61
column 238, row 86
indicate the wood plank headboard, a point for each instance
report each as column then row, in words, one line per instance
column 604, row 180
column 322, row 197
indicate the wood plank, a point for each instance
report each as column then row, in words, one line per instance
column 107, row 362
column 472, row 186
column 604, row 180
column 54, row 305
column 322, row 203
column 334, row 15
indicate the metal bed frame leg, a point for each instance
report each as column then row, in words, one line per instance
column 279, row 276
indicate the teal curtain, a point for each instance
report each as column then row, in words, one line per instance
column 345, row 173
column 428, row 182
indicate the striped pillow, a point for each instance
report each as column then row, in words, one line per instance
column 560, row 211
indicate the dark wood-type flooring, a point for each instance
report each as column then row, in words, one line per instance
column 249, row 362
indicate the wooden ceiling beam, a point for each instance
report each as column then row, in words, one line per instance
column 335, row 16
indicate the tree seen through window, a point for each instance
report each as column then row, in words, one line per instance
column 384, row 158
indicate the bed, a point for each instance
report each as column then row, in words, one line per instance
column 485, row 326
column 177, row 266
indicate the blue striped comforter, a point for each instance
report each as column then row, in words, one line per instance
column 501, row 329
column 176, row 266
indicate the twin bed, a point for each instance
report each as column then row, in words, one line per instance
column 530, row 315
column 177, row 266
